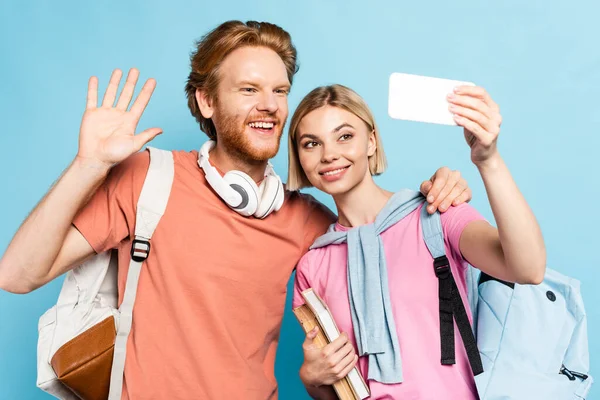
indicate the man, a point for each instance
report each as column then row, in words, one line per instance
column 211, row 296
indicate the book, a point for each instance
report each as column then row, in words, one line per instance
column 316, row 313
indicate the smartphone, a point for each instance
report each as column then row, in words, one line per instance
column 421, row 98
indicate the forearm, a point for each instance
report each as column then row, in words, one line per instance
column 321, row 392
column 34, row 248
column 519, row 233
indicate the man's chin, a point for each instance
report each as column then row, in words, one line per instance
column 263, row 150
column 263, row 153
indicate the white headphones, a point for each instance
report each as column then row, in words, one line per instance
column 239, row 191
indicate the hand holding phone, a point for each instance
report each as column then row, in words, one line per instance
column 421, row 98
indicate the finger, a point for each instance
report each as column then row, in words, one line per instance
column 439, row 180
column 477, row 130
column 351, row 363
column 475, row 116
column 343, row 364
column 140, row 103
column 426, row 187
column 310, row 335
column 141, row 139
column 451, row 181
column 465, row 197
column 470, row 90
column 337, row 344
column 111, row 90
column 475, row 91
column 128, row 89
column 335, row 358
column 456, row 191
column 92, row 93
column 470, row 102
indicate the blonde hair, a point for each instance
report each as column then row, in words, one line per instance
column 336, row 96
column 216, row 45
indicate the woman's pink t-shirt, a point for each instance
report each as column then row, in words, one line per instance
column 414, row 297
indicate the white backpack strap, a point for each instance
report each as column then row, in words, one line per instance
column 150, row 208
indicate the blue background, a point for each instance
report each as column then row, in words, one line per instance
column 538, row 59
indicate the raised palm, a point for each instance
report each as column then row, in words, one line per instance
column 107, row 133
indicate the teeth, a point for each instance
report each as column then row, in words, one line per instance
column 335, row 171
column 261, row 125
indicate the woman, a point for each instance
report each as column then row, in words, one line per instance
column 335, row 146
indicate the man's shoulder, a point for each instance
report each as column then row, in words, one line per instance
column 303, row 199
column 185, row 156
column 141, row 160
column 308, row 202
column 130, row 174
column 315, row 216
column 137, row 161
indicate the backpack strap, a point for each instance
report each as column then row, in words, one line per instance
column 472, row 276
column 150, row 208
column 450, row 303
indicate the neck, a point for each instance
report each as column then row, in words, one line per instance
column 225, row 162
column 361, row 204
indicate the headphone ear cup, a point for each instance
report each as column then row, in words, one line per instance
column 280, row 195
column 245, row 186
column 269, row 193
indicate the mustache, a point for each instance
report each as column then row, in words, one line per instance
column 257, row 117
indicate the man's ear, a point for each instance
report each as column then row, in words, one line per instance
column 205, row 103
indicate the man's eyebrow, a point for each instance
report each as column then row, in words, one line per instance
column 247, row 83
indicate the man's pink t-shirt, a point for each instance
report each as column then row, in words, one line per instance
column 414, row 297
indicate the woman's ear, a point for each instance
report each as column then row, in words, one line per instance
column 205, row 103
column 372, row 144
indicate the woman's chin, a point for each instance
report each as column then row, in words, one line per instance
column 334, row 188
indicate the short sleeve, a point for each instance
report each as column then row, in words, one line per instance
column 454, row 221
column 302, row 280
column 109, row 216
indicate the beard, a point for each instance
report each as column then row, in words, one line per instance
column 233, row 137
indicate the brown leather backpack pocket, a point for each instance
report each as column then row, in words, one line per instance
column 84, row 363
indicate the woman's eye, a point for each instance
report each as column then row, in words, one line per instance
column 346, row 136
column 309, row 145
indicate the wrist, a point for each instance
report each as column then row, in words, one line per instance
column 490, row 164
column 91, row 166
column 306, row 378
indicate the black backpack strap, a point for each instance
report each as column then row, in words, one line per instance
column 451, row 307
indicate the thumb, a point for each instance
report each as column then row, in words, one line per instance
column 311, row 335
column 308, row 345
column 141, row 139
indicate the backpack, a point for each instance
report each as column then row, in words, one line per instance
column 82, row 339
column 531, row 339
